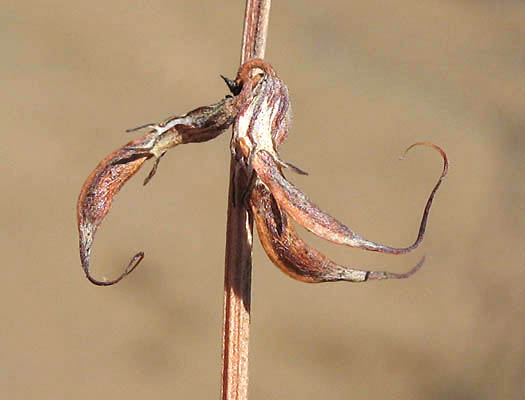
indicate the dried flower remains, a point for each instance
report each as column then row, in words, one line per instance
column 259, row 109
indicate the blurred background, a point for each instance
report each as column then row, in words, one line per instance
column 367, row 79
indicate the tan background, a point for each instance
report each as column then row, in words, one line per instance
column 367, row 78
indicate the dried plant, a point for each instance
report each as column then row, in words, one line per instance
column 259, row 110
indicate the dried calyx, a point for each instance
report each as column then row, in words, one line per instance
column 260, row 113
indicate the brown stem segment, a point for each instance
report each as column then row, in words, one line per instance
column 238, row 263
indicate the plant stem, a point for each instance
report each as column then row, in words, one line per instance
column 239, row 237
column 256, row 18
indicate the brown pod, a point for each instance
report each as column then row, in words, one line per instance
column 97, row 194
column 295, row 257
column 311, row 217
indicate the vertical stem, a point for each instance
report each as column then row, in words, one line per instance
column 255, row 32
column 239, row 231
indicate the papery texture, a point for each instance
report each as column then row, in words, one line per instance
column 295, row 257
column 310, row 216
column 96, row 196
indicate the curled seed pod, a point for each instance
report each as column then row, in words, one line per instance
column 261, row 114
column 96, row 196
column 260, row 128
column 296, row 258
column 311, row 217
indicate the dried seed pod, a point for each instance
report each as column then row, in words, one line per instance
column 96, row 196
column 296, row 258
column 311, row 217
column 261, row 113
column 261, row 126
